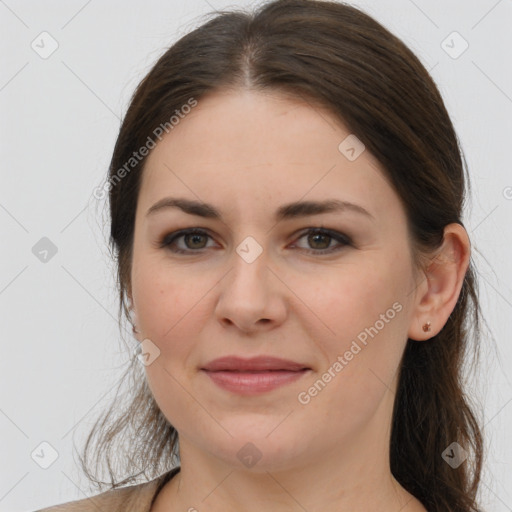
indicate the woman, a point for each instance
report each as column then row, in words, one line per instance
column 286, row 197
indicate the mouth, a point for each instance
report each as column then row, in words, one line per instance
column 255, row 375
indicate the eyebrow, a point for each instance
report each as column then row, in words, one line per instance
column 287, row 211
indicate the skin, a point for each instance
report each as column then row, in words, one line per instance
column 247, row 153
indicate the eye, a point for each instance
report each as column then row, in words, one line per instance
column 320, row 239
column 194, row 240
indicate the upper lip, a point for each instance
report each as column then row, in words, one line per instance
column 260, row 363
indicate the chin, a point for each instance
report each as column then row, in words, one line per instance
column 257, row 449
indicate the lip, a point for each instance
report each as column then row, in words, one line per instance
column 255, row 375
column 255, row 364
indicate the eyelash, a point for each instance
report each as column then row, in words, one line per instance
column 171, row 238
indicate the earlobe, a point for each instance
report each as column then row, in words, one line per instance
column 443, row 278
column 133, row 317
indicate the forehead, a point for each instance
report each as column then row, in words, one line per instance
column 256, row 128
column 251, row 146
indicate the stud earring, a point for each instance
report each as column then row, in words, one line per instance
column 426, row 327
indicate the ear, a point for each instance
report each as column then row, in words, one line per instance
column 441, row 284
column 133, row 315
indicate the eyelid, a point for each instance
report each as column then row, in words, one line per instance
column 338, row 236
column 171, row 238
column 335, row 235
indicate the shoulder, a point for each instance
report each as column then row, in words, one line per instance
column 132, row 498
column 124, row 498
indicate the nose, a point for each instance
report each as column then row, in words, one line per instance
column 251, row 298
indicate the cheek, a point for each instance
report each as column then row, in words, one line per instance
column 168, row 306
column 173, row 307
column 344, row 300
column 166, row 298
column 364, row 321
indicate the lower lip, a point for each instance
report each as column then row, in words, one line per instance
column 250, row 383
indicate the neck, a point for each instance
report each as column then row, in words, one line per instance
column 354, row 477
column 344, row 475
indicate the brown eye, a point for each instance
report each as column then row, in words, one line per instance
column 320, row 241
column 194, row 240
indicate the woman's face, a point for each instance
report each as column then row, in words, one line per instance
column 254, row 282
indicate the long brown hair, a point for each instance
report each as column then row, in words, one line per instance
column 330, row 54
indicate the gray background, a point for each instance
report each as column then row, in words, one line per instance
column 61, row 349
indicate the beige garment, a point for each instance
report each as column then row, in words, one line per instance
column 132, row 498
